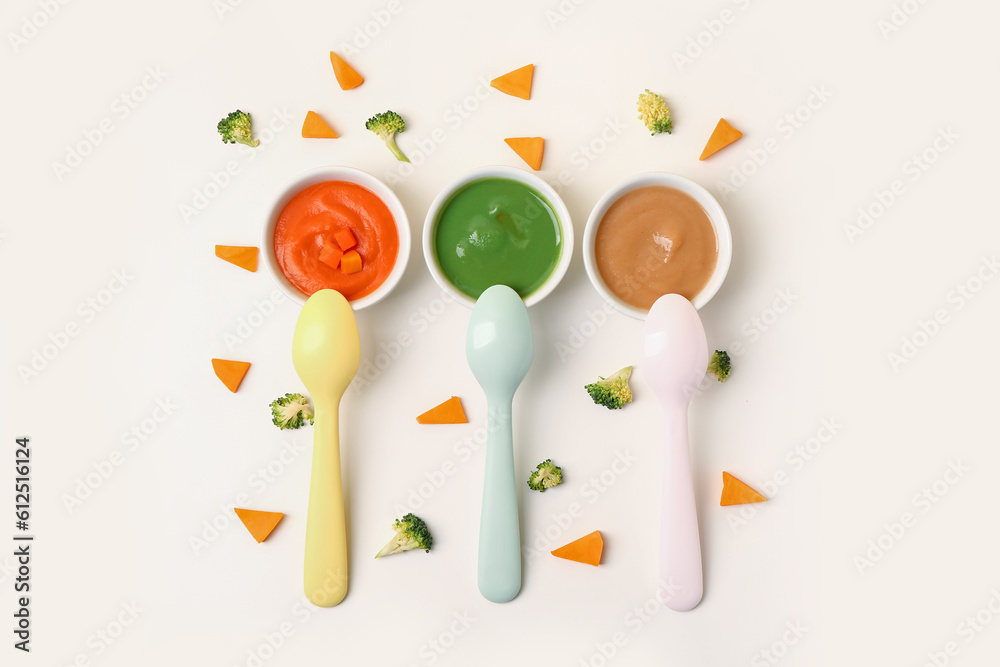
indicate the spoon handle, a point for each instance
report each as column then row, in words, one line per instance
column 326, row 526
column 680, row 546
column 499, row 532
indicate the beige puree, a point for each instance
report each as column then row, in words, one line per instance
column 653, row 241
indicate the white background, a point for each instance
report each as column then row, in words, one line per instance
column 793, row 561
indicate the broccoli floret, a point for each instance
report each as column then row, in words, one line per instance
column 545, row 476
column 612, row 392
column 720, row 365
column 411, row 533
column 235, row 129
column 386, row 125
column 291, row 411
column 654, row 113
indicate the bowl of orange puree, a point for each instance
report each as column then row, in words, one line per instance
column 336, row 228
column 654, row 234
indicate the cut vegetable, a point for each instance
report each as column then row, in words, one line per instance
column 315, row 127
column 347, row 77
column 449, row 412
column 587, row 549
column 242, row 256
column 723, row 135
column 345, row 239
column 654, row 113
column 516, row 83
column 350, row 262
column 529, row 149
column 260, row 524
column 330, row 255
column 735, row 492
column 230, row 372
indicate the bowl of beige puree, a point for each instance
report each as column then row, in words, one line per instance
column 654, row 234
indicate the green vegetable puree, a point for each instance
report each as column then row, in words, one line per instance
column 497, row 231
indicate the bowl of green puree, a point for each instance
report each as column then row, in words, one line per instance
column 498, row 226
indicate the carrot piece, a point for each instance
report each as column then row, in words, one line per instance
column 529, row 149
column 315, row 127
column 449, row 412
column 587, row 549
column 230, row 372
column 350, row 262
column 735, row 492
column 346, row 75
column 345, row 239
column 516, row 83
column 242, row 256
column 330, row 255
column 260, row 524
column 723, row 135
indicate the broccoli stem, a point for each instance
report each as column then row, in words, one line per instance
column 391, row 143
column 393, row 547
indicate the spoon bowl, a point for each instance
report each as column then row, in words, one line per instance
column 674, row 348
column 499, row 348
column 326, row 352
column 674, row 361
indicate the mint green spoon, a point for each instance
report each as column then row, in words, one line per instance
column 499, row 349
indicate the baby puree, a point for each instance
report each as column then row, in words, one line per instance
column 312, row 218
column 652, row 241
column 497, row 231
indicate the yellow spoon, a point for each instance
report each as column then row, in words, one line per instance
column 326, row 352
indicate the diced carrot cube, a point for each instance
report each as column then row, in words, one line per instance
column 330, row 255
column 345, row 239
column 350, row 262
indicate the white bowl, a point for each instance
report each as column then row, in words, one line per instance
column 351, row 175
column 715, row 214
column 514, row 174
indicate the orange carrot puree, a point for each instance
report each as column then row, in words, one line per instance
column 312, row 219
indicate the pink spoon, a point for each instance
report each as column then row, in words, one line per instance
column 674, row 359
